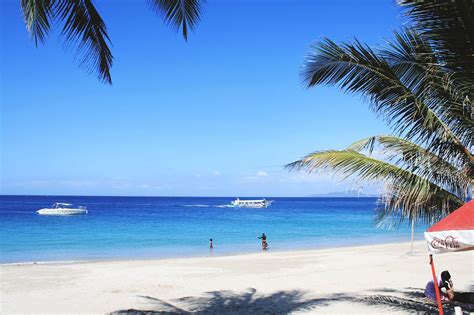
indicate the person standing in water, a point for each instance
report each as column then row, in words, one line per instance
column 210, row 244
column 264, row 241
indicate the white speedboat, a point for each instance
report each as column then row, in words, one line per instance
column 259, row 203
column 62, row 209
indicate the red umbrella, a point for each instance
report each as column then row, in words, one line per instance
column 454, row 233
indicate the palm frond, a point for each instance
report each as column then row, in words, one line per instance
column 394, row 91
column 418, row 66
column 358, row 69
column 418, row 160
column 422, row 83
column 37, row 15
column 85, row 29
column 406, row 193
column 420, row 201
column 180, row 14
column 449, row 25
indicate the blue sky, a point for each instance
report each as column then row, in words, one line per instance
column 218, row 115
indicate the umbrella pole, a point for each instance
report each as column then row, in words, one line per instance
column 435, row 281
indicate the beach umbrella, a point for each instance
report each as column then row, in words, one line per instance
column 454, row 233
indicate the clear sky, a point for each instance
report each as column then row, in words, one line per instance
column 216, row 116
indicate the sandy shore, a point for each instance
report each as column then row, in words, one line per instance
column 364, row 279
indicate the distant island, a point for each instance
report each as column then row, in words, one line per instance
column 341, row 194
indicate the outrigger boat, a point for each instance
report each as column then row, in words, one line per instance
column 62, row 209
column 259, row 203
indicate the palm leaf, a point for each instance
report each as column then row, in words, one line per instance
column 449, row 25
column 418, row 66
column 420, row 161
column 406, row 193
column 84, row 28
column 180, row 14
column 393, row 92
column 37, row 15
column 422, row 84
column 358, row 69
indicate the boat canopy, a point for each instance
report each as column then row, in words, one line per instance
column 62, row 205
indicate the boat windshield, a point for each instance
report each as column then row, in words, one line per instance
column 62, row 205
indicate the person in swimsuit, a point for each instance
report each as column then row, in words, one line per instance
column 264, row 241
column 445, row 285
column 210, row 244
column 446, row 288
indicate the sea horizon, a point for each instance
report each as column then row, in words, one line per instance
column 328, row 195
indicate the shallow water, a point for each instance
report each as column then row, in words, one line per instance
column 157, row 227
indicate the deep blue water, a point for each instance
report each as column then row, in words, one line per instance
column 155, row 227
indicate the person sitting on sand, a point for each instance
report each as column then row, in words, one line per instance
column 264, row 241
column 445, row 285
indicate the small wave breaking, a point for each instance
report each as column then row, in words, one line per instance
column 208, row 206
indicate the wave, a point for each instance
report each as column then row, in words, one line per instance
column 22, row 212
column 207, row 206
column 46, row 262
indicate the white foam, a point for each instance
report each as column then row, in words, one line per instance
column 53, row 262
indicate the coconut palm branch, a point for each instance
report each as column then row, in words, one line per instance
column 37, row 15
column 84, row 28
column 180, row 14
column 414, row 61
column 424, row 95
column 405, row 192
column 405, row 103
column 449, row 26
column 418, row 160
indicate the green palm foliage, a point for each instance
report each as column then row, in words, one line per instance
column 422, row 84
column 84, row 28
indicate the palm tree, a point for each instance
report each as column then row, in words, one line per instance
column 83, row 27
column 422, row 84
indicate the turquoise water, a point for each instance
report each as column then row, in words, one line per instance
column 156, row 227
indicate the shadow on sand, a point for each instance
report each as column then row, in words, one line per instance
column 409, row 300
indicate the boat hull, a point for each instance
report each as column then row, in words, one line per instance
column 256, row 204
column 61, row 211
column 254, row 207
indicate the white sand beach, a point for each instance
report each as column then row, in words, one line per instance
column 338, row 280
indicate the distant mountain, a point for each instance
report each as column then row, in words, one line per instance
column 341, row 194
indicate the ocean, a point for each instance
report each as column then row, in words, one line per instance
column 162, row 227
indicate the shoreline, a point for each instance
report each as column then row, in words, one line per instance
column 333, row 280
column 223, row 254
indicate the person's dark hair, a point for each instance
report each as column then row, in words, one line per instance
column 210, row 239
column 445, row 276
